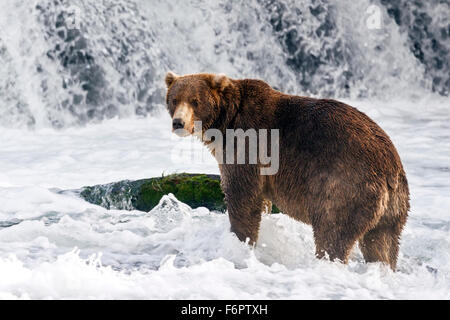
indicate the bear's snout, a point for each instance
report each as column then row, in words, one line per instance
column 177, row 123
column 183, row 120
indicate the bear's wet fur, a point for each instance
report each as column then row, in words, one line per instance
column 338, row 170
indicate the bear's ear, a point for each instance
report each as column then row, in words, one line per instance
column 220, row 82
column 170, row 78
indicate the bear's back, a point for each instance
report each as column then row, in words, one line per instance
column 331, row 132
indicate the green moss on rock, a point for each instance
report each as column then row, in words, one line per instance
column 275, row 209
column 196, row 190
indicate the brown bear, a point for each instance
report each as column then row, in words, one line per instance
column 338, row 170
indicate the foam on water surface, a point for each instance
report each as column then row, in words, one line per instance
column 55, row 245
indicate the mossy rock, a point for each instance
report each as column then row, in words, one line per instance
column 196, row 190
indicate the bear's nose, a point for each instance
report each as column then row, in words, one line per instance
column 177, row 123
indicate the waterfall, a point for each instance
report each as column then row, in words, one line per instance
column 68, row 63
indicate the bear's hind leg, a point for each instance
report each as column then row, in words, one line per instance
column 337, row 244
column 382, row 243
column 338, row 226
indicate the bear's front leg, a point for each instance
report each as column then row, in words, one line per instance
column 245, row 203
column 245, row 218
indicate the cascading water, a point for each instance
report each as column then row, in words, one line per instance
column 70, row 62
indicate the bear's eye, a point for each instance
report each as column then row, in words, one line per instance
column 194, row 103
column 174, row 102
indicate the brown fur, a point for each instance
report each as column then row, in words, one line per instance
column 339, row 171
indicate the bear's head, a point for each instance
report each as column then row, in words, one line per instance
column 209, row 98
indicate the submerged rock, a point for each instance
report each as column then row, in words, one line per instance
column 195, row 190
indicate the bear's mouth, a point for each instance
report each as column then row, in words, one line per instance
column 181, row 132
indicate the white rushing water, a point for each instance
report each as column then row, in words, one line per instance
column 69, row 63
column 81, row 103
column 59, row 246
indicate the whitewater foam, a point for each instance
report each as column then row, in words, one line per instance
column 55, row 245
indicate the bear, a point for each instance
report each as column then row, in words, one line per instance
column 338, row 171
